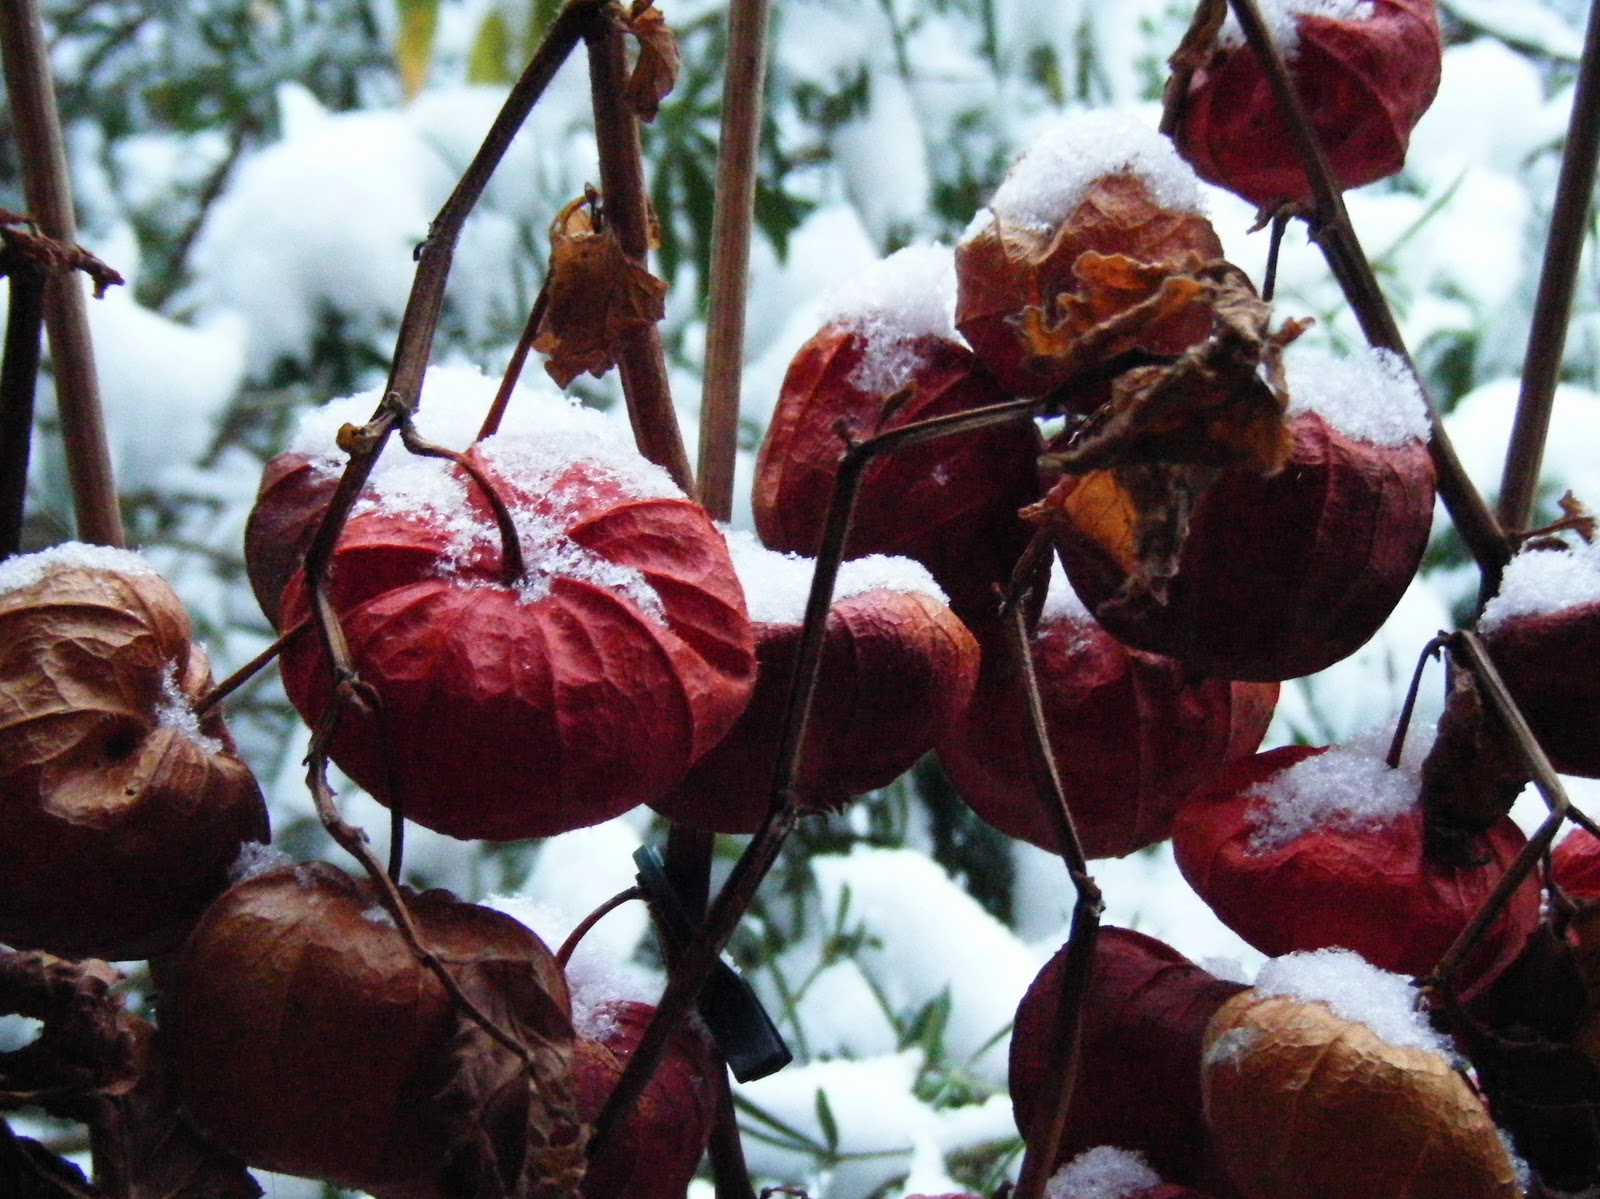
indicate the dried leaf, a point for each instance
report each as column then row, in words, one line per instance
column 656, row 70
column 516, row 1130
column 595, row 296
column 86, row 1046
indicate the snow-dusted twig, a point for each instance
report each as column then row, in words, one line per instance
column 26, row 57
column 1552, row 310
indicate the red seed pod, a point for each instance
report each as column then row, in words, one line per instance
column 1138, row 1082
column 1575, row 864
column 1365, row 79
column 1088, row 224
column 1131, row 734
column 120, row 810
column 308, row 1039
column 951, row 504
column 512, row 707
column 1331, row 856
column 1277, row 576
column 294, row 493
column 897, row 665
column 658, row 1148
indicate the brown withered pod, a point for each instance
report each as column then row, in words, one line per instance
column 120, row 809
column 658, row 1148
column 1130, row 732
column 1366, row 73
column 897, row 666
column 888, row 356
column 1305, row 848
column 1138, row 1080
column 1321, row 1083
column 1084, row 256
column 1542, row 624
column 1251, row 573
column 308, row 1039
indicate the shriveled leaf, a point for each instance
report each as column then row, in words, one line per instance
column 595, row 296
column 85, row 1048
column 516, row 1133
column 656, row 70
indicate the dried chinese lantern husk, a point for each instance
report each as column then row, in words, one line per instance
column 659, row 1146
column 1131, row 736
column 951, row 504
column 1009, row 267
column 1278, row 576
column 1370, row 889
column 1535, row 656
column 294, row 494
column 1365, row 84
column 307, row 1038
column 503, row 718
column 119, row 829
column 1575, row 864
column 897, row 667
column 1138, row 1081
column 1302, row 1104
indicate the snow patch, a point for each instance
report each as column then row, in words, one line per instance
column 1282, row 18
column 1347, row 787
column 28, row 569
column 1369, row 396
column 1062, row 602
column 175, row 711
column 1543, row 582
column 898, row 301
column 1356, row 990
column 256, row 858
column 776, row 585
column 1103, row 1172
column 1051, row 179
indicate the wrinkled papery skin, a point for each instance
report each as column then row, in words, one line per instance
column 659, row 1146
column 951, row 504
column 1138, row 1082
column 1314, row 1106
column 294, row 493
column 897, row 666
column 1007, row 268
column 117, row 831
column 1370, row 889
column 1544, row 662
column 1131, row 736
column 1575, row 862
column 503, row 718
column 309, row 1040
column 1280, row 576
column 1365, row 85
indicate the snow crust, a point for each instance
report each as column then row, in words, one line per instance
column 1355, row 990
column 1347, row 787
column 175, row 711
column 1283, row 20
column 1104, row 1172
column 1050, row 180
column 776, row 584
column 898, row 301
column 25, row 570
column 1370, row 396
column 256, row 858
column 1542, row 582
column 1061, row 601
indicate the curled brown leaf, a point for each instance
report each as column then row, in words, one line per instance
column 656, row 70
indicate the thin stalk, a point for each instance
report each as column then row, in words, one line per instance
column 26, row 58
column 564, row 954
column 640, row 359
column 19, row 377
column 519, row 358
column 248, row 671
column 729, row 1171
column 1336, row 237
column 731, row 220
column 1552, row 310
column 1402, row 725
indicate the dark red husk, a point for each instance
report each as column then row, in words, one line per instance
column 294, row 494
column 1575, row 864
column 1131, row 736
column 309, row 1040
column 1536, row 656
column 503, row 718
column 1279, row 576
column 897, row 666
column 952, row 505
column 1365, row 85
column 1138, row 1082
column 658, row 1148
column 1370, row 889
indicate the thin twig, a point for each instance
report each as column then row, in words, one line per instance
column 1335, row 236
column 19, row 378
column 1552, row 309
column 564, row 954
column 248, row 671
column 512, row 566
column 519, row 358
column 26, row 57
column 731, row 220
column 1402, row 724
